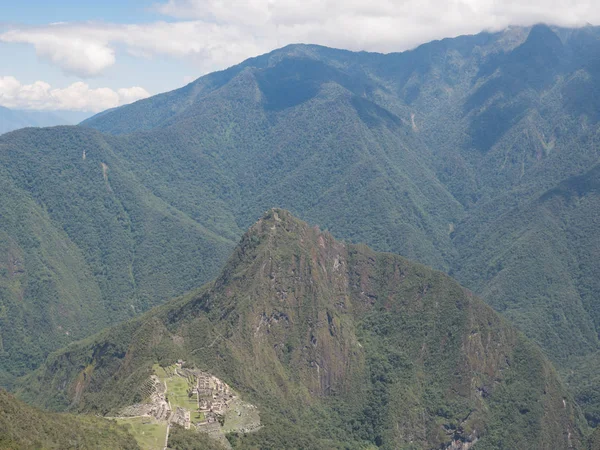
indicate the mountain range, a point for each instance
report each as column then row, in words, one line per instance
column 12, row 119
column 475, row 155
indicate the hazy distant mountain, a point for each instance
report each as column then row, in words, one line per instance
column 476, row 155
column 14, row 119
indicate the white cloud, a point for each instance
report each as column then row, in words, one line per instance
column 132, row 94
column 87, row 49
column 78, row 55
column 76, row 97
column 219, row 33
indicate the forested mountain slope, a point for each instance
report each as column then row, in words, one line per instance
column 480, row 127
column 84, row 244
column 338, row 346
column 23, row 427
column 538, row 264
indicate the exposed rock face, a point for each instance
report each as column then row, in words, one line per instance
column 303, row 305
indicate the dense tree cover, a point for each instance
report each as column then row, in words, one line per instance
column 594, row 440
column 338, row 346
column 84, row 244
column 182, row 439
column 23, row 427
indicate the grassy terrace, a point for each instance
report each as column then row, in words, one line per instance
column 177, row 390
column 147, row 431
column 241, row 415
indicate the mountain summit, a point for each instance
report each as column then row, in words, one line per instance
column 338, row 346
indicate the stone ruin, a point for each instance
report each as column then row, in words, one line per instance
column 214, row 398
column 157, row 406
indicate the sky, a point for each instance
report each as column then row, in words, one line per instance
column 94, row 55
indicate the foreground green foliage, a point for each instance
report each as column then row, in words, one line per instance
column 182, row 439
column 23, row 427
column 149, row 433
column 338, row 346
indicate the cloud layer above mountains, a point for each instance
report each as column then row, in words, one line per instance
column 218, row 33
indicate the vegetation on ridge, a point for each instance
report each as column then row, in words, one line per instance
column 71, row 268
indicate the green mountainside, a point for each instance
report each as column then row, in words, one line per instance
column 84, row 244
column 338, row 346
column 475, row 155
column 182, row 439
column 23, row 427
column 544, row 254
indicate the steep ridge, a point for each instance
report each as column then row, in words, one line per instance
column 23, row 427
column 153, row 214
column 549, row 260
column 338, row 346
column 362, row 157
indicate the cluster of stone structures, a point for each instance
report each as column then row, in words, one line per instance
column 214, row 396
column 157, row 407
column 181, row 417
column 215, row 404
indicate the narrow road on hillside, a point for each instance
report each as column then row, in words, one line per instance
column 168, row 419
column 167, row 437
